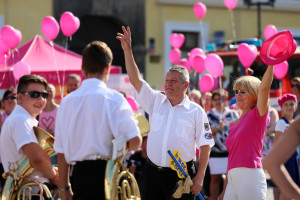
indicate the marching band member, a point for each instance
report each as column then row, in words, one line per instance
column 17, row 135
column 176, row 124
column 87, row 121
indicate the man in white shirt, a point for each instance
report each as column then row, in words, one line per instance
column 87, row 121
column 176, row 124
column 17, row 136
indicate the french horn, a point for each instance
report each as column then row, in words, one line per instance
column 17, row 185
column 120, row 184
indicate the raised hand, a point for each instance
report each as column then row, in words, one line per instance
column 125, row 38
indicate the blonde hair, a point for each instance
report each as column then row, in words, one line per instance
column 249, row 84
column 296, row 79
column 196, row 93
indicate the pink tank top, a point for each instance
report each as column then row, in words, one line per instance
column 245, row 140
column 47, row 120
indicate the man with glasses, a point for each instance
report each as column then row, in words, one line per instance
column 295, row 85
column 17, row 136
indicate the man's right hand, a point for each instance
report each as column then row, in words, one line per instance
column 125, row 38
column 55, row 179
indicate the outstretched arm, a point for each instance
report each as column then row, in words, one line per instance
column 278, row 155
column 131, row 67
column 264, row 90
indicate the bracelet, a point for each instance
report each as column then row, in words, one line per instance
column 66, row 188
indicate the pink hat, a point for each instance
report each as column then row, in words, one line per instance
column 277, row 48
column 285, row 98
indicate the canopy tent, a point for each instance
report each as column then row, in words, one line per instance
column 44, row 59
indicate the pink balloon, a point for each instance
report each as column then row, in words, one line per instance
column 134, row 105
column 198, row 63
column 281, row 69
column 199, row 10
column 21, row 68
column 247, row 54
column 50, row 27
column 3, row 47
column 69, row 23
column 177, row 40
column 174, row 56
column 206, row 83
column 184, row 62
column 11, row 36
column 214, row 65
column 195, row 51
column 230, row 4
column 269, row 31
column 294, row 46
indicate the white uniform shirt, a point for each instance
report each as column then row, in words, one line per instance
column 281, row 125
column 182, row 127
column 16, row 132
column 89, row 119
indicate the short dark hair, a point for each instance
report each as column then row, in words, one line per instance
column 28, row 79
column 95, row 57
column 74, row 76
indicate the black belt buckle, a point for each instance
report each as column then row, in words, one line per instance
column 159, row 168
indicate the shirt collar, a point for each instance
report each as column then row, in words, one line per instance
column 20, row 109
column 185, row 102
column 92, row 81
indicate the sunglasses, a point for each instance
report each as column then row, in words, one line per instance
column 36, row 94
column 295, row 85
column 236, row 92
column 10, row 97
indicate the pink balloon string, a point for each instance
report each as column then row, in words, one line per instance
column 5, row 67
column 64, row 66
column 57, row 73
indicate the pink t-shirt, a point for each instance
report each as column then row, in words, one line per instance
column 47, row 120
column 245, row 140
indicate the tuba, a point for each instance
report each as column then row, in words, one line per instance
column 120, row 184
column 18, row 185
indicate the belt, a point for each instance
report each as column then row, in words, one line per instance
column 159, row 168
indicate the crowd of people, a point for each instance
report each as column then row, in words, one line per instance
column 223, row 145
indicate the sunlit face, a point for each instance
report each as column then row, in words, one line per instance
column 72, row 85
column 33, row 106
column 289, row 107
column 243, row 100
column 51, row 92
column 219, row 101
column 295, row 88
column 174, row 86
column 10, row 102
column 194, row 98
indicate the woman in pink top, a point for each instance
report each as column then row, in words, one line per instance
column 245, row 176
column 48, row 116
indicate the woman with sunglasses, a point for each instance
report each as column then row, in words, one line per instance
column 9, row 101
column 245, row 176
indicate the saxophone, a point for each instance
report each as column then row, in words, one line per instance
column 18, row 185
column 120, row 184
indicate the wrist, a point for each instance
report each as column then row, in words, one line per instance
column 65, row 188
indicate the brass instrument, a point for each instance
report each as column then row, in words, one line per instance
column 17, row 184
column 120, row 184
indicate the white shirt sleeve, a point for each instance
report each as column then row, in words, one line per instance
column 23, row 133
column 203, row 132
column 146, row 97
column 281, row 126
column 58, row 133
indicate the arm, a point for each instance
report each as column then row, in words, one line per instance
column 134, row 143
column 273, row 119
column 264, row 90
column 278, row 155
column 40, row 161
column 131, row 67
column 203, row 160
column 277, row 136
column 221, row 196
column 64, row 174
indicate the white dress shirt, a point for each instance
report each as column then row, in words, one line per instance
column 89, row 119
column 182, row 127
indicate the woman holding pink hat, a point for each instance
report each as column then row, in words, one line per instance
column 245, row 177
column 288, row 104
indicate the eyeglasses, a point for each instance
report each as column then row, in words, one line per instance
column 217, row 99
column 36, row 94
column 10, row 97
column 236, row 92
column 295, row 85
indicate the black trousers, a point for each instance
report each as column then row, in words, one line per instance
column 88, row 180
column 160, row 183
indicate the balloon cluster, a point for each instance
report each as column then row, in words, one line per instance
column 10, row 38
column 69, row 24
